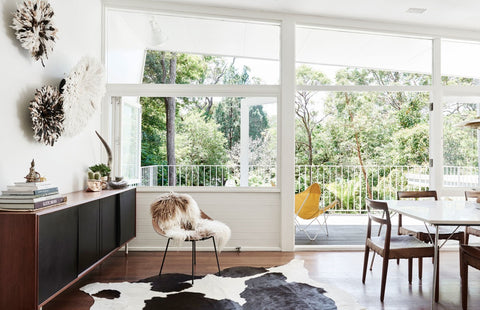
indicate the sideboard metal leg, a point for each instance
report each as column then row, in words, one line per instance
column 126, row 249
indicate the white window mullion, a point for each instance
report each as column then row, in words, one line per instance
column 436, row 120
column 286, row 137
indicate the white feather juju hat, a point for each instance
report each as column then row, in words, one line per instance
column 82, row 94
column 34, row 28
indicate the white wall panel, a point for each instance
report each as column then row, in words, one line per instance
column 254, row 219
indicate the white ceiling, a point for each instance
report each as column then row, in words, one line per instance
column 455, row 14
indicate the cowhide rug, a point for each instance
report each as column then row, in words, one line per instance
column 283, row 287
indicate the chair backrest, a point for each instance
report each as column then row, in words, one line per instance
column 307, row 202
column 417, row 194
column 378, row 212
column 472, row 195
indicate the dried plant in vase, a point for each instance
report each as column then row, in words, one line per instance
column 34, row 28
column 47, row 115
column 82, row 92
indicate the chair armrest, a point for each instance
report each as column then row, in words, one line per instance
column 333, row 204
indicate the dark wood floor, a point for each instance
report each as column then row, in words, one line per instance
column 340, row 268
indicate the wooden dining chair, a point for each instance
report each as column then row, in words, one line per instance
column 422, row 233
column 469, row 256
column 472, row 230
column 391, row 247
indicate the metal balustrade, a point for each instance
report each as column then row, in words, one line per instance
column 345, row 183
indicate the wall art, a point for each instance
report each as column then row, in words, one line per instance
column 47, row 115
column 34, row 28
column 82, row 93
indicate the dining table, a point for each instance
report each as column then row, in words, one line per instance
column 438, row 213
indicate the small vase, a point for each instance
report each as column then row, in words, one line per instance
column 94, row 186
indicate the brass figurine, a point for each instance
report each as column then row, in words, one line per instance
column 33, row 176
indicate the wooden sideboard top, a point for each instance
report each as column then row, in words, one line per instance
column 73, row 199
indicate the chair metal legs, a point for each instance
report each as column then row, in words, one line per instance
column 194, row 256
column 216, row 255
column 164, row 254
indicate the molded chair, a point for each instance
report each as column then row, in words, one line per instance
column 192, row 240
column 307, row 207
column 391, row 247
column 472, row 230
column 469, row 256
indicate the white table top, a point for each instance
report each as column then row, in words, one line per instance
column 440, row 212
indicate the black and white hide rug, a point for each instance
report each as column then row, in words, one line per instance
column 279, row 288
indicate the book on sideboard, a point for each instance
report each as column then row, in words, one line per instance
column 32, row 192
column 29, row 186
column 33, row 203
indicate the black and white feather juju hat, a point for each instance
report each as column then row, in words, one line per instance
column 47, row 115
column 82, row 94
column 34, row 28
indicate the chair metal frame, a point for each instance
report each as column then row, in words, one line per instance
column 194, row 245
column 194, row 255
column 323, row 225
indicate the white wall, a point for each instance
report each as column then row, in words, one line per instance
column 65, row 164
column 253, row 217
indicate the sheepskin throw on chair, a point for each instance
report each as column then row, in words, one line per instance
column 180, row 218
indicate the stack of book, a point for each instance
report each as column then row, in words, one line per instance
column 31, row 195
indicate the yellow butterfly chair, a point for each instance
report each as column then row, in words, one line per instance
column 307, row 207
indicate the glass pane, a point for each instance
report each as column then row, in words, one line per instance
column 203, row 50
column 373, row 59
column 130, row 138
column 460, row 63
column 460, row 143
column 361, row 144
column 217, row 141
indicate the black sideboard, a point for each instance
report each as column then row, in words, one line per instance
column 45, row 251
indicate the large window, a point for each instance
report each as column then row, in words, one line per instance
column 220, row 127
column 204, row 50
column 218, row 141
column 202, row 93
column 361, row 144
column 376, row 59
column 460, row 143
column 460, row 62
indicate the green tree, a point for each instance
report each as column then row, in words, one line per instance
column 200, row 142
column 306, row 111
column 153, row 131
column 170, row 68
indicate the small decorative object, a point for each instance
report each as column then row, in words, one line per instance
column 94, row 184
column 103, row 171
column 82, row 92
column 33, row 176
column 47, row 115
column 109, row 153
column 34, row 28
column 118, row 183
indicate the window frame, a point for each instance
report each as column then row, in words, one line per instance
column 285, row 91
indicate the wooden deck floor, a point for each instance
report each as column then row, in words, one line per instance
column 342, row 269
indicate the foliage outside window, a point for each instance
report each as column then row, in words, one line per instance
column 201, row 135
column 360, row 144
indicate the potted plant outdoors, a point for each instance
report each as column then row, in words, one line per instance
column 104, row 171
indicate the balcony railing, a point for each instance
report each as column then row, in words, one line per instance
column 343, row 183
column 207, row 175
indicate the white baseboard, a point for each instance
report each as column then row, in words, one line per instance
column 226, row 249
